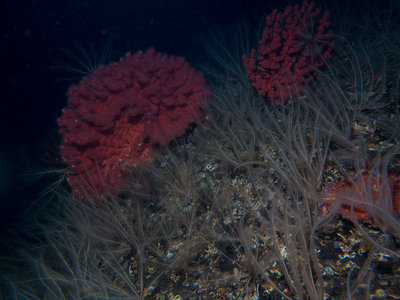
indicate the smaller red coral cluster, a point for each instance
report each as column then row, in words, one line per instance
column 362, row 195
column 117, row 114
column 293, row 43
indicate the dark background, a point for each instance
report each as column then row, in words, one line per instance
column 40, row 42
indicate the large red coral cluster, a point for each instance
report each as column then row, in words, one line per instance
column 293, row 43
column 116, row 115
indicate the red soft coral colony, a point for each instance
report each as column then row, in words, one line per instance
column 363, row 194
column 293, row 43
column 117, row 114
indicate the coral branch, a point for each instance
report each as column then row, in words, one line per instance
column 293, row 43
column 117, row 114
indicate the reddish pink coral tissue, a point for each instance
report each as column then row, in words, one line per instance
column 293, row 43
column 363, row 194
column 119, row 113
